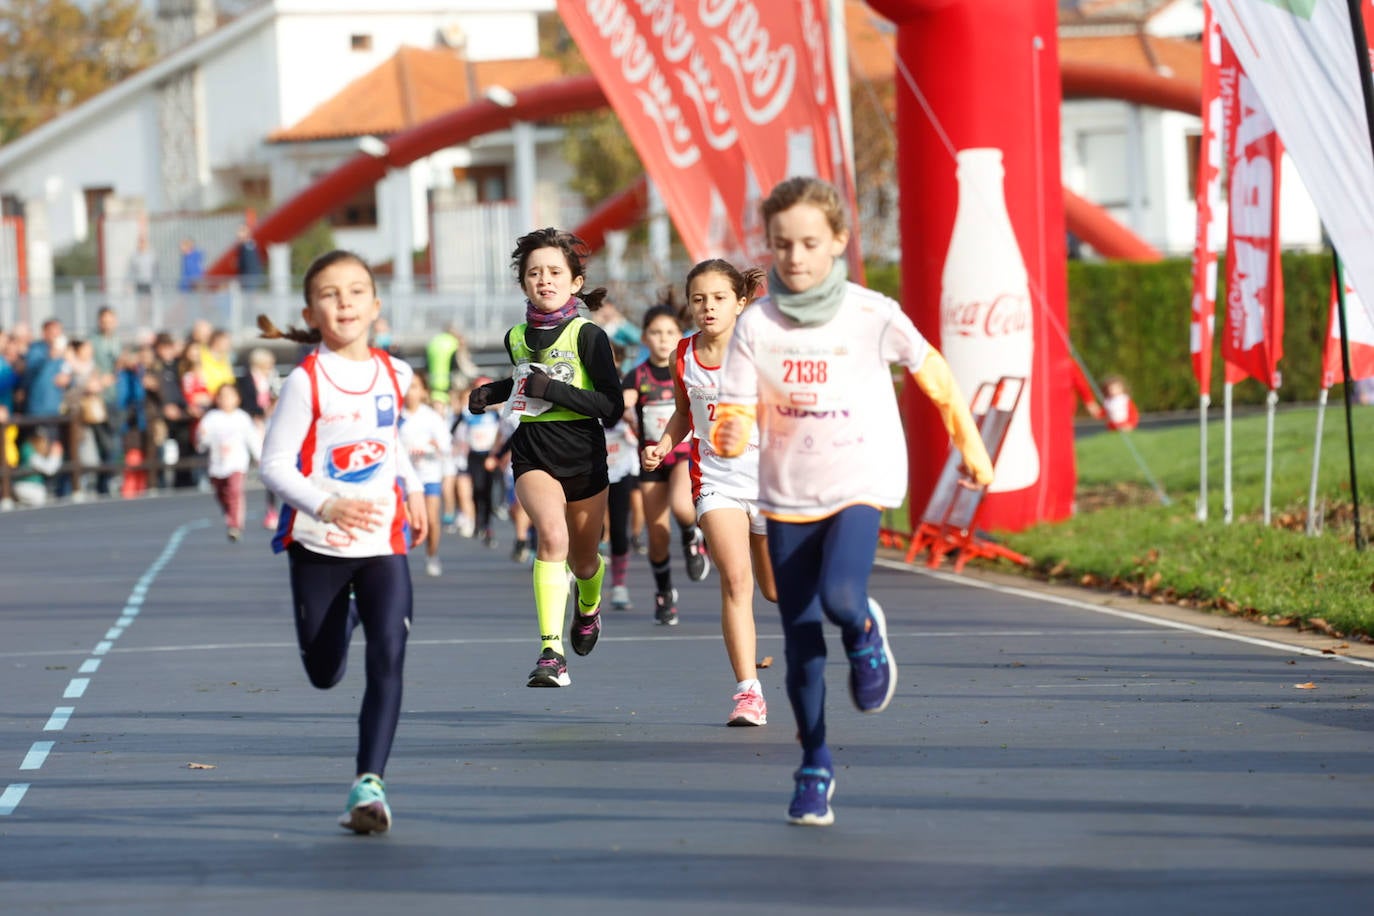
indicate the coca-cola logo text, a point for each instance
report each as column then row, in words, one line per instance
column 627, row 35
column 764, row 75
column 1005, row 315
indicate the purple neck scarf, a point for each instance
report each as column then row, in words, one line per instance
column 537, row 319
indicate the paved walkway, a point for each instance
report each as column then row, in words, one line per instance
column 161, row 751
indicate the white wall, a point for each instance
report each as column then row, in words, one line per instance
column 1095, row 138
column 241, row 105
column 116, row 150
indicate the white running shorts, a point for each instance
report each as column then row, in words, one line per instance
column 708, row 501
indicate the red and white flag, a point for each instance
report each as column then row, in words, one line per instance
column 1210, row 230
column 1301, row 56
column 650, row 61
column 1360, row 330
column 1252, row 337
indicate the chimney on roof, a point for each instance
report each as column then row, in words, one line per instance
column 180, row 22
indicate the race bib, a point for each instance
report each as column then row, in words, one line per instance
column 520, row 404
column 703, row 402
column 309, row 530
column 656, row 416
column 810, row 382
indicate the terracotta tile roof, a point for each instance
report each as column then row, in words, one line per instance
column 1174, row 57
column 412, row 86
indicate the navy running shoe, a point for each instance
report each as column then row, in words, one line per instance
column 872, row 669
column 811, row 799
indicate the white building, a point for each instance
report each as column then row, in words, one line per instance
column 193, row 132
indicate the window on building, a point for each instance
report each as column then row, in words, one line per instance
column 1105, row 166
column 488, row 182
column 1193, row 145
column 256, row 188
column 360, row 42
column 95, row 203
column 358, row 212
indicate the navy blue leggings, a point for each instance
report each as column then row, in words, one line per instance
column 324, row 625
column 821, row 569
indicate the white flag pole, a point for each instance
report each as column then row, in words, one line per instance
column 1203, row 402
column 1227, row 502
column 1271, row 402
column 1312, row 528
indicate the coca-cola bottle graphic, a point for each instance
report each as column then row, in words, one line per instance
column 985, row 308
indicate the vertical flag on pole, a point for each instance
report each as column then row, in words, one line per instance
column 1209, row 226
column 1300, row 55
column 1361, row 331
column 1252, row 339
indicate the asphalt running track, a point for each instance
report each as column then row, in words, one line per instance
column 1041, row 755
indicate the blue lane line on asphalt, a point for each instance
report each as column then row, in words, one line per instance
column 58, row 720
column 14, row 793
column 10, row 798
column 33, row 760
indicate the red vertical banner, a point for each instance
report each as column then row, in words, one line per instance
column 1360, row 331
column 1209, row 225
column 772, row 66
column 650, row 62
column 1252, row 338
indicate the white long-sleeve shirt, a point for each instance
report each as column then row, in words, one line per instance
column 426, row 439
column 335, row 432
column 830, row 434
column 230, row 440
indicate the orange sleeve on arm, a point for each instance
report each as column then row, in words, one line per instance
column 725, row 412
column 940, row 386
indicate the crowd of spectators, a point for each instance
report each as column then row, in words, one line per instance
column 110, row 414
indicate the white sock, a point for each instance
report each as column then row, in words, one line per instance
column 750, row 686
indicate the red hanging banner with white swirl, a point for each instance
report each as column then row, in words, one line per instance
column 651, row 62
column 772, row 66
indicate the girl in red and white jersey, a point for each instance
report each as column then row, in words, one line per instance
column 724, row 490
column 351, row 503
column 810, row 365
column 666, row 488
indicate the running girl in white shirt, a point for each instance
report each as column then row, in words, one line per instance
column 725, row 491
column 666, row 488
column 810, row 364
column 565, row 387
column 352, row 501
column 227, row 434
column 425, row 438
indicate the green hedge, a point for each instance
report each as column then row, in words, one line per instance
column 1133, row 319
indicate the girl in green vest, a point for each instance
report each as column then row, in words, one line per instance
column 565, row 386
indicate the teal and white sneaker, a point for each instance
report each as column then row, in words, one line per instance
column 367, row 810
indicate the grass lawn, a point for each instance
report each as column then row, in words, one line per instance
column 1123, row 538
